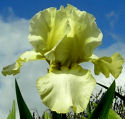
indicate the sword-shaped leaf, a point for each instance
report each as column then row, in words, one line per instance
column 12, row 114
column 23, row 109
column 102, row 109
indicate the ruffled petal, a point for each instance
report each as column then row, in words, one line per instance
column 47, row 28
column 65, row 88
column 25, row 57
column 83, row 38
column 108, row 65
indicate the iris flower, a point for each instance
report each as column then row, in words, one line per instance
column 65, row 38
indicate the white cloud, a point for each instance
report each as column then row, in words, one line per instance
column 112, row 17
column 111, row 14
column 117, row 37
column 13, row 41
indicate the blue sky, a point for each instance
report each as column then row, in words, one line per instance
column 14, row 30
column 110, row 15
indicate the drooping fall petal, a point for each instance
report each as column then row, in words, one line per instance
column 25, row 57
column 65, row 88
column 108, row 65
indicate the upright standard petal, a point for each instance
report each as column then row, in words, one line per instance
column 65, row 88
column 108, row 65
column 25, row 57
column 47, row 28
column 83, row 38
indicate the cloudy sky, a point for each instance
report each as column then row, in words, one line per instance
column 14, row 30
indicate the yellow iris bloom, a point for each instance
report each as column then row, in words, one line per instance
column 65, row 38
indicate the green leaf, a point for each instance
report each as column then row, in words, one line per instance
column 116, row 94
column 88, row 110
column 102, row 109
column 12, row 114
column 113, row 115
column 23, row 109
column 47, row 116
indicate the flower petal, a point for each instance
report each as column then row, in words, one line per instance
column 82, row 39
column 47, row 28
column 25, row 57
column 65, row 88
column 107, row 65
